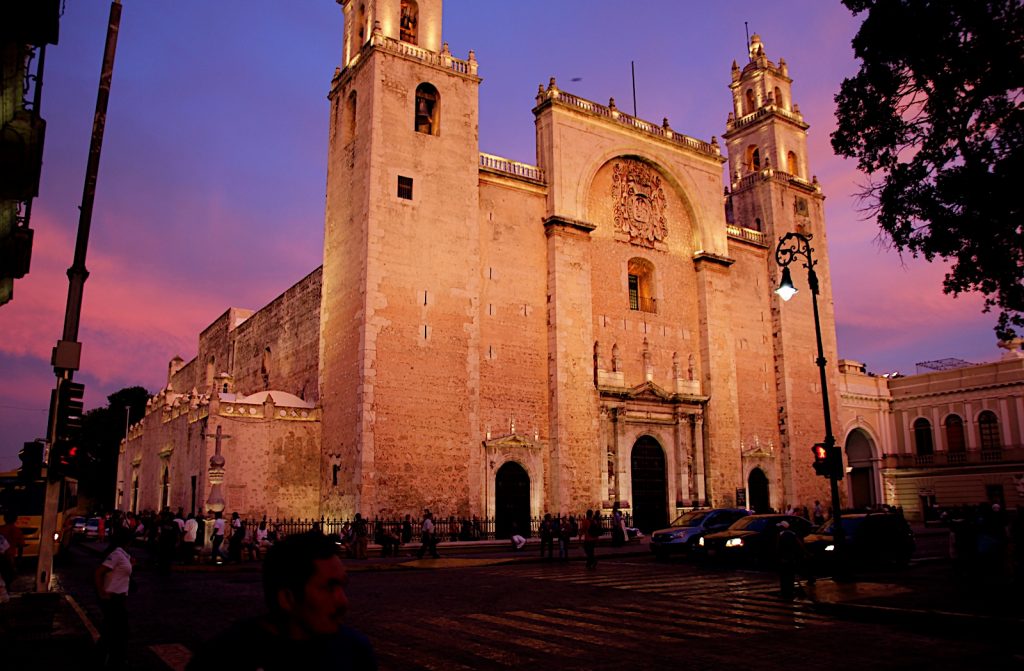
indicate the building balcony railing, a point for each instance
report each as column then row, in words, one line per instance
column 775, row 175
column 795, row 117
column 747, row 234
column 511, row 168
column 643, row 304
column 998, row 455
column 612, row 113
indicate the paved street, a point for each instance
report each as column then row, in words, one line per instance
column 632, row 612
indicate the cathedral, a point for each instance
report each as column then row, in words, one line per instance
column 487, row 337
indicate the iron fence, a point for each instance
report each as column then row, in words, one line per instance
column 448, row 529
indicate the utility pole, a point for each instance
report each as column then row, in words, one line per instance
column 68, row 351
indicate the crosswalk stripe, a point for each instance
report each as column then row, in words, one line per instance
column 650, row 619
column 466, row 645
column 543, row 646
column 566, row 628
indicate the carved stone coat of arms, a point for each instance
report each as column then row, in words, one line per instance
column 639, row 203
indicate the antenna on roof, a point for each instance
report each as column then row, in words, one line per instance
column 747, row 31
column 632, row 70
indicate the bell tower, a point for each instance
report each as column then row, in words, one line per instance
column 401, row 263
column 414, row 22
column 772, row 191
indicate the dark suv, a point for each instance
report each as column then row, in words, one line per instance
column 872, row 539
column 687, row 529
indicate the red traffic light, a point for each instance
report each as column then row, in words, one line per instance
column 821, row 461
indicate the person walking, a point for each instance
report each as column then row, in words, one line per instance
column 547, row 536
column 564, row 538
column 217, row 538
column 188, row 539
column 427, row 538
column 591, row 530
column 618, row 527
column 362, row 536
column 113, row 579
column 406, row 537
column 789, row 558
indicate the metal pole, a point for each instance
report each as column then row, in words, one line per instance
column 838, row 533
column 67, row 353
column 632, row 70
column 785, row 253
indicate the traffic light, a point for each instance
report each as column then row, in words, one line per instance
column 66, row 454
column 31, row 456
column 70, row 409
column 822, row 465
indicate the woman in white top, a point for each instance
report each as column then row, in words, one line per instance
column 113, row 578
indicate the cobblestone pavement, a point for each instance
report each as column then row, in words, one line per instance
column 631, row 613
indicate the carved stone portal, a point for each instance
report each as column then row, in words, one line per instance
column 639, row 203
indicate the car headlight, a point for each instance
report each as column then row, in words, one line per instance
column 700, row 541
column 830, row 547
column 734, row 543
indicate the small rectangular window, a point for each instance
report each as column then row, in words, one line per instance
column 634, row 292
column 405, row 187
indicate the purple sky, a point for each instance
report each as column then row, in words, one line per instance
column 211, row 184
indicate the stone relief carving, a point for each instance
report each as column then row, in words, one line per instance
column 639, row 203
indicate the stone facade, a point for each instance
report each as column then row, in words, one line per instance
column 936, row 439
column 504, row 340
column 270, row 433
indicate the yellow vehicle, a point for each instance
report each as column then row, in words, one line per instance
column 25, row 498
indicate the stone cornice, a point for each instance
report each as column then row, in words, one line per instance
column 709, row 257
column 556, row 222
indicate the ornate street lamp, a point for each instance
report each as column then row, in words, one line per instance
column 791, row 246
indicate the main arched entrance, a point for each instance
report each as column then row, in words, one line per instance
column 511, row 501
column 650, row 485
column 758, row 496
column 862, row 469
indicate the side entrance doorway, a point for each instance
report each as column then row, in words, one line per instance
column 759, row 498
column 650, row 485
column 511, row 501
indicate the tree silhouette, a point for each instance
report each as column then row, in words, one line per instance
column 935, row 119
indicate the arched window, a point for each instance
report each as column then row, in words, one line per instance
column 791, row 166
column 427, row 112
column 955, row 434
column 988, row 430
column 749, row 104
column 362, row 25
column 753, row 158
column 923, row 437
column 641, row 286
column 409, row 20
column 165, row 488
column 778, row 97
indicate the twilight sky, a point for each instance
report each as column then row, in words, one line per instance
column 211, row 184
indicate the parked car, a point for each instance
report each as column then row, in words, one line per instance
column 687, row 530
column 92, row 528
column 77, row 526
column 872, row 539
column 752, row 539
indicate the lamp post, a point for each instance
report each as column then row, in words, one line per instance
column 791, row 246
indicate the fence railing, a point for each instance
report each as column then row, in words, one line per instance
column 942, row 459
column 449, row 529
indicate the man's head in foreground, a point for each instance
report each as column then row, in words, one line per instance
column 304, row 586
